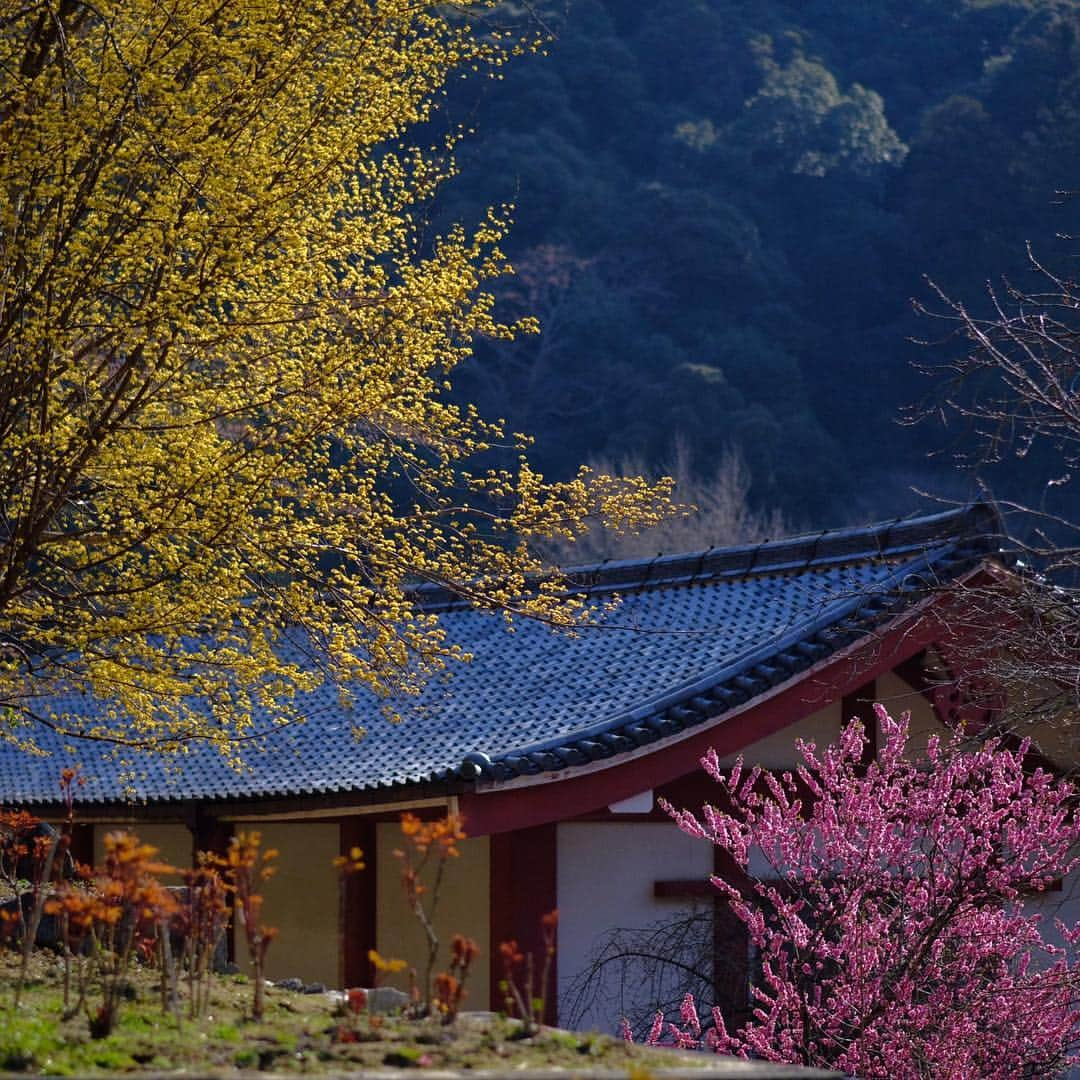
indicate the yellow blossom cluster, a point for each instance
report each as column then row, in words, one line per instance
column 225, row 346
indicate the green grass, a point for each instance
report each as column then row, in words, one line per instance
column 300, row 1033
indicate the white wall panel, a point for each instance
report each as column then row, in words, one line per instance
column 606, row 874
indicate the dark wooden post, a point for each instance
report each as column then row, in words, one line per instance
column 213, row 835
column 524, row 887
column 209, row 834
column 356, row 925
column 82, row 843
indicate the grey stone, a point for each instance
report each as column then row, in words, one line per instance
column 315, row 988
column 290, row 984
column 384, row 999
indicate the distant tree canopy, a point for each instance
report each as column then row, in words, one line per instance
column 750, row 194
column 800, row 122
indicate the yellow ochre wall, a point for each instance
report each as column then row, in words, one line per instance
column 463, row 909
column 898, row 697
column 301, row 901
column 172, row 841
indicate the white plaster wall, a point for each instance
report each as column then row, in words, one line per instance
column 778, row 751
column 464, row 908
column 606, row 873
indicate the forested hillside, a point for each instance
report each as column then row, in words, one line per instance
column 724, row 209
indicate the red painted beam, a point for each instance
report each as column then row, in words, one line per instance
column 685, row 889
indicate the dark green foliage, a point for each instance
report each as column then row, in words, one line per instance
column 725, row 208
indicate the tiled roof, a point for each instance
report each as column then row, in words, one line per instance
column 693, row 636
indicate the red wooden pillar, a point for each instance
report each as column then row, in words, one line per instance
column 356, row 923
column 524, row 887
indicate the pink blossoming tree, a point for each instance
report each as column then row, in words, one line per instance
column 890, row 927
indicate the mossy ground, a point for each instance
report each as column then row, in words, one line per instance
column 300, row 1033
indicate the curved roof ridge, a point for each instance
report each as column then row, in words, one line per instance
column 976, row 521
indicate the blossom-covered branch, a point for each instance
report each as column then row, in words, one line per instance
column 895, row 928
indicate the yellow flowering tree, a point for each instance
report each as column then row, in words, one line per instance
column 224, row 354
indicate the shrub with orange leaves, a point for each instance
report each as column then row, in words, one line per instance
column 520, row 996
column 450, row 985
column 247, row 867
column 24, row 850
column 352, row 863
column 199, row 923
column 70, row 779
column 130, row 906
column 74, row 909
column 384, row 965
column 447, row 996
column 28, row 861
column 443, row 834
column 427, row 842
column 16, row 829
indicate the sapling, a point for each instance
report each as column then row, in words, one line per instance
column 521, row 993
column 247, row 867
column 450, row 985
column 129, row 900
column 70, row 779
column 203, row 917
column 427, row 841
column 75, row 909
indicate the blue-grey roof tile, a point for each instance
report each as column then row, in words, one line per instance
column 692, row 636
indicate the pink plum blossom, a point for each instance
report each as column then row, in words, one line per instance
column 890, row 928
